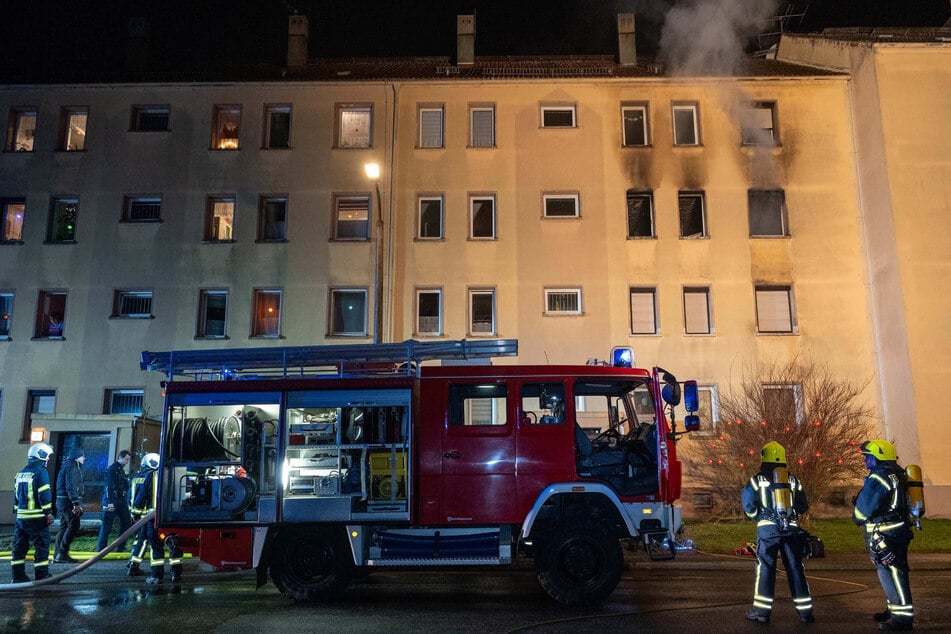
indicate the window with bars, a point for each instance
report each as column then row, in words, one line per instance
column 6, row 313
column 429, row 311
column 272, row 219
column 697, row 319
column 72, row 129
column 563, row 301
column 21, row 129
column 482, row 312
column 559, row 116
column 775, row 312
column 12, row 211
column 561, row 205
column 212, row 314
column 123, row 401
column 430, row 218
column 693, row 220
column 135, row 304
column 226, row 128
column 644, row 311
column 50, row 315
column 686, row 128
column 767, row 213
column 64, row 214
column 354, row 126
column 482, row 217
column 352, row 220
column 266, row 313
column 348, row 312
column 219, row 219
column 142, row 209
column 640, row 214
column 482, row 126
column 277, row 127
column 150, row 118
column 431, row 127
column 758, row 125
column 634, row 125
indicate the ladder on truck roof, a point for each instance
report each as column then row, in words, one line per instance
column 325, row 361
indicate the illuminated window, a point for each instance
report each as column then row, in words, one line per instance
column 481, row 126
column 431, row 127
column 562, row 301
column 759, row 124
column 64, row 213
column 644, row 311
column 212, row 314
column 72, row 134
column 132, row 304
column 21, row 126
column 352, row 218
column 50, row 315
column 482, row 217
column 561, row 206
column 697, row 319
column 266, row 313
column 37, row 402
column 634, row 125
column 150, row 118
column 272, row 219
column 12, row 211
column 354, row 126
column 277, row 127
column 225, row 134
column 430, row 217
column 640, row 214
column 767, row 213
column 348, row 312
column 482, row 312
column 775, row 312
column 686, row 128
column 219, row 219
column 6, row 313
column 142, row 209
column 429, row 311
column 693, row 218
column 559, row 116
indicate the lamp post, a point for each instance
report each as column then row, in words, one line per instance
column 373, row 173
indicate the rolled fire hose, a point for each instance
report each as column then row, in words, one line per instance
column 86, row 564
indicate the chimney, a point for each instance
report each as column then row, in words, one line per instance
column 465, row 40
column 627, row 54
column 298, row 30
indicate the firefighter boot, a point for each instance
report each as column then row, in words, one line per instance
column 19, row 573
column 896, row 624
column 134, row 570
column 879, row 617
column 761, row 616
column 41, row 572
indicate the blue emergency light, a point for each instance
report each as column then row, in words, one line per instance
column 622, row 357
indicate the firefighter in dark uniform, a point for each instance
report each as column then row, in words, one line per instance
column 140, row 543
column 33, row 504
column 115, row 501
column 69, row 503
column 145, row 497
column 882, row 509
column 775, row 500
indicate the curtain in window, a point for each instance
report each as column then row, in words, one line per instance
column 773, row 310
column 483, row 128
column 354, row 128
column 696, row 312
column 643, row 317
column 430, row 128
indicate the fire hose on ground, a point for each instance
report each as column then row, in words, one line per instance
column 129, row 532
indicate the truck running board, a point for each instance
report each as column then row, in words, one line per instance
column 441, row 561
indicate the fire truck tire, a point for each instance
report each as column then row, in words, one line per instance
column 311, row 564
column 580, row 562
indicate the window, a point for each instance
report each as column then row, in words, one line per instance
column 644, row 311
column 430, row 217
column 640, row 214
column 37, row 402
column 685, row 125
column 782, row 404
column 150, row 118
column 21, row 126
column 561, row 205
column 431, row 127
column 277, row 127
column 482, row 217
column 634, row 124
column 226, row 128
column 767, row 213
column 429, row 311
column 6, row 313
column 562, row 301
column 709, row 409
column 72, row 129
column 477, row 404
column 697, row 311
column 219, row 219
column 558, row 117
column 12, row 211
column 142, row 209
column 266, row 313
column 348, row 312
column 693, row 220
column 759, row 124
column 352, row 218
column 123, row 401
column 481, row 126
column 132, row 304
column 50, row 315
column 62, row 222
column 354, row 126
column 482, row 312
column 774, row 310
column 543, row 403
column 272, row 219
column 212, row 313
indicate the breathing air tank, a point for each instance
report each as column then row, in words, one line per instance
column 916, row 493
column 782, row 497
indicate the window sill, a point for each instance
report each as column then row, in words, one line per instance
column 642, row 237
column 770, row 237
column 481, row 239
column 225, row 150
column 60, row 338
column 351, row 147
column 694, row 237
column 429, row 335
column 271, row 241
column 350, row 240
column 6, row 338
column 712, row 333
column 218, row 241
column 642, row 146
column 136, row 131
column 793, row 333
column 688, row 146
column 566, row 217
column 645, row 334
column 13, row 242
column 148, row 221
column 212, row 338
column 275, row 149
column 18, row 151
column 761, row 146
column 266, row 337
column 430, row 147
column 59, row 242
column 131, row 317
column 422, row 239
column 348, row 335
column 482, row 147
column 566, row 314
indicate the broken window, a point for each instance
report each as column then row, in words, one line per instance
column 767, row 213
column 640, row 214
column 693, row 222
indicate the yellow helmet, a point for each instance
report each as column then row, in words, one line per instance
column 881, row 449
column 773, row 452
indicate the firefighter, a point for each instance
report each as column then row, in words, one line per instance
column 146, row 495
column 882, row 509
column 140, row 543
column 775, row 500
column 33, row 502
column 69, row 503
column 115, row 500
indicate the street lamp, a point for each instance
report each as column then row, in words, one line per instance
column 373, row 173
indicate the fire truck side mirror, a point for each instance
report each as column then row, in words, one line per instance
column 691, row 396
column 692, row 422
column 671, row 391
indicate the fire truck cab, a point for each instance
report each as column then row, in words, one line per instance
column 313, row 464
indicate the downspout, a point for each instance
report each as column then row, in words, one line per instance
column 387, row 308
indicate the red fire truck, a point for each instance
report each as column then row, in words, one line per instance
column 317, row 464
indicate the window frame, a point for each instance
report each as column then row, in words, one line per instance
column 701, row 196
column 418, row 328
column 473, row 199
column 477, row 108
column 422, row 198
column 471, row 294
column 45, row 309
column 707, row 310
column 7, row 306
column 767, row 290
column 108, row 399
column 119, row 297
column 341, row 109
column 15, row 121
column 55, row 219
column 130, row 200
column 643, row 107
column 210, row 234
column 142, row 112
column 66, row 126
column 336, row 294
column 421, row 139
column 264, row 201
column 576, row 291
column 797, row 396
column 259, row 329
column 694, row 108
column 5, row 214
column 31, row 407
column 268, row 134
column 220, row 142
column 645, row 194
column 780, row 214
column 201, row 328
column 575, row 198
column 545, row 109
column 753, row 136
column 336, row 234
column 645, row 291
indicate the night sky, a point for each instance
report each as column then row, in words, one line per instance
column 84, row 37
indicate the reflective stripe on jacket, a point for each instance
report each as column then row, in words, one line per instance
column 32, row 497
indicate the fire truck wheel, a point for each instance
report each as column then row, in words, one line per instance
column 580, row 562
column 311, row 564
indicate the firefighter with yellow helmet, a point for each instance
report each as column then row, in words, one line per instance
column 776, row 500
column 883, row 511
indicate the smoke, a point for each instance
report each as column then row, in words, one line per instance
column 707, row 37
